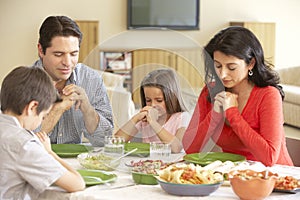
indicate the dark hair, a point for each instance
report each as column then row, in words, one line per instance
column 58, row 26
column 243, row 44
column 25, row 84
column 167, row 81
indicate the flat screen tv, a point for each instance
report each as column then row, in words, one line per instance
column 163, row 14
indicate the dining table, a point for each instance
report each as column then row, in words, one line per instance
column 125, row 188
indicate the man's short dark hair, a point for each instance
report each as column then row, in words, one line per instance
column 57, row 26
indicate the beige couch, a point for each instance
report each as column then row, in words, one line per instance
column 290, row 82
column 120, row 99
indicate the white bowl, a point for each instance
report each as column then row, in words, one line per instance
column 100, row 161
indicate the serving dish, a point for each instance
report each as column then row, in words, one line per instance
column 294, row 191
column 252, row 185
column 96, row 177
column 143, row 149
column 143, row 171
column 206, row 158
column 287, row 184
column 188, row 189
column 99, row 161
column 70, row 150
column 142, row 178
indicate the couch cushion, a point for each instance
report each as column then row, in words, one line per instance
column 289, row 75
column 292, row 93
column 112, row 80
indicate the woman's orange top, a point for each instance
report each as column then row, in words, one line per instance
column 257, row 133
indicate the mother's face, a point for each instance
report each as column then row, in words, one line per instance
column 230, row 69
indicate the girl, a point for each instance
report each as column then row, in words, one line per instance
column 163, row 117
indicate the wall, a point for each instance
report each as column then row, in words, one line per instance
column 20, row 21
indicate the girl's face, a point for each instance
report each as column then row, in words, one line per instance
column 230, row 69
column 155, row 98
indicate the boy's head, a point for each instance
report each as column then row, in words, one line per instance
column 24, row 85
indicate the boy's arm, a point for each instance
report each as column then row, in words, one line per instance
column 71, row 181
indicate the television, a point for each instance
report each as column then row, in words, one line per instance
column 163, row 14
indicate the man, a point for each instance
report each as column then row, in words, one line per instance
column 85, row 109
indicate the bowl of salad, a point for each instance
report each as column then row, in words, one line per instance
column 98, row 161
column 143, row 171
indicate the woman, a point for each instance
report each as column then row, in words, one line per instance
column 240, row 108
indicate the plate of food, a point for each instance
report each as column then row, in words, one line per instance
column 143, row 171
column 205, row 158
column 287, row 184
column 188, row 180
column 98, row 161
column 143, row 149
column 70, row 150
column 96, row 177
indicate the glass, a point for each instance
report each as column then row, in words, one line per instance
column 114, row 145
column 160, row 151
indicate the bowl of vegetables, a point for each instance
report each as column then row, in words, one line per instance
column 99, row 161
column 143, row 171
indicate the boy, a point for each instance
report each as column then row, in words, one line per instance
column 28, row 165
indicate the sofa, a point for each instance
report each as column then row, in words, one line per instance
column 121, row 100
column 290, row 82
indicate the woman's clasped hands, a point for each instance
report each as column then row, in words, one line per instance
column 225, row 100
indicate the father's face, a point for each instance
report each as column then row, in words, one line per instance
column 61, row 57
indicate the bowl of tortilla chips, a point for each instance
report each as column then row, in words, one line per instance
column 188, row 180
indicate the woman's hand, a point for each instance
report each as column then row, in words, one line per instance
column 218, row 103
column 45, row 140
column 225, row 100
column 230, row 100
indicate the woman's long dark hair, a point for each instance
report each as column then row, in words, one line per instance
column 243, row 44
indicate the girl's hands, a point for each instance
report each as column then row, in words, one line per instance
column 147, row 114
column 152, row 115
column 225, row 100
column 45, row 140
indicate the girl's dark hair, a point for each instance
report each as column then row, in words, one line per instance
column 167, row 81
column 243, row 44
column 57, row 26
column 25, row 84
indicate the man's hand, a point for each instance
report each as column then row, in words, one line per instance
column 76, row 94
column 66, row 102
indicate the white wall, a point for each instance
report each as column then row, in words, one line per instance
column 20, row 21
